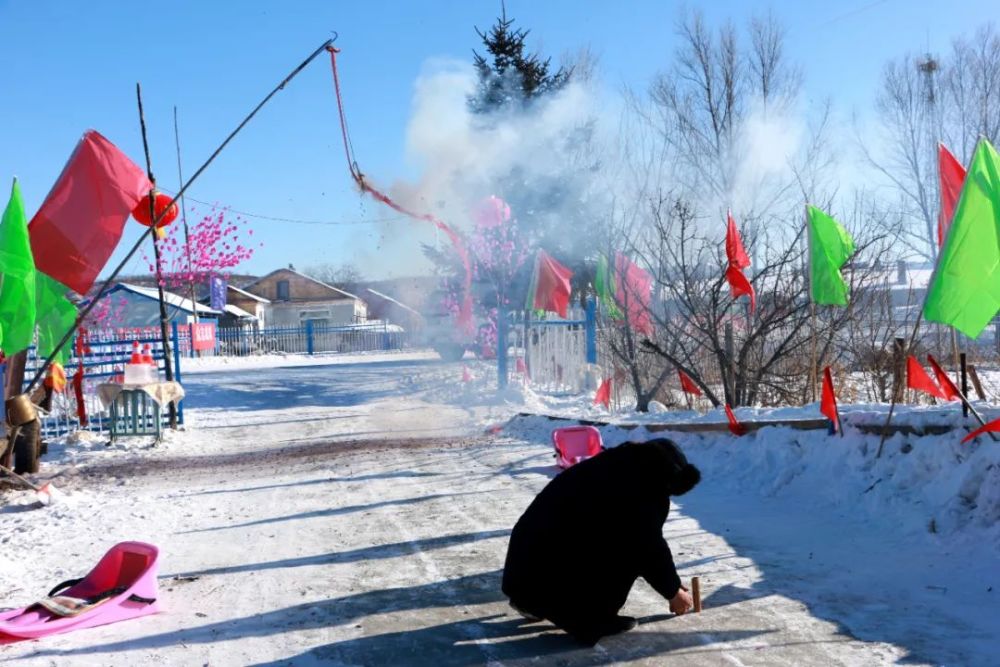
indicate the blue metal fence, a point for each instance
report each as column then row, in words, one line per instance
column 104, row 359
column 551, row 353
column 308, row 339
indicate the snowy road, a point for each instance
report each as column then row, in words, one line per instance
column 343, row 514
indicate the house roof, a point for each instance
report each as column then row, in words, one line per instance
column 175, row 301
column 248, row 294
column 347, row 295
column 388, row 298
column 238, row 312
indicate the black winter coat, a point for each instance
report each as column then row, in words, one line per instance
column 578, row 548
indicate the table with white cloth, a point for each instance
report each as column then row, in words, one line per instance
column 135, row 408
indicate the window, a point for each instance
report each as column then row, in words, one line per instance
column 283, row 290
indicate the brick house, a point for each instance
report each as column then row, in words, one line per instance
column 295, row 299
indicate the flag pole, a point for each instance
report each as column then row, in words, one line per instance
column 184, row 220
column 135, row 248
column 168, row 368
column 813, row 369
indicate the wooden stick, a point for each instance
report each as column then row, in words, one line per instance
column 696, row 593
column 892, row 405
column 974, row 376
column 958, row 357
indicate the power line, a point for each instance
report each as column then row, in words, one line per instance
column 853, row 12
column 296, row 221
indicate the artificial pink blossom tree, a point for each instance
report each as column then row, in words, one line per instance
column 215, row 245
column 498, row 250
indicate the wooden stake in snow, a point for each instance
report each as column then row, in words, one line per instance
column 696, row 593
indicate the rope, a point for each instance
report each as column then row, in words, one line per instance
column 465, row 312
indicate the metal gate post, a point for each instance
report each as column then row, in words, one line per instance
column 591, row 327
column 502, row 348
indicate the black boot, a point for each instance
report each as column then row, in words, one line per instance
column 590, row 633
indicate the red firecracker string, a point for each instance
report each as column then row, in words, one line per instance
column 465, row 313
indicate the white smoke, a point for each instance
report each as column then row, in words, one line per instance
column 463, row 157
column 768, row 146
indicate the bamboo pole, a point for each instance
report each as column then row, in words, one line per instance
column 168, row 367
column 956, row 357
column 135, row 248
column 187, row 233
column 814, row 362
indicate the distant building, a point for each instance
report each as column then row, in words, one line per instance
column 387, row 309
column 244, row 308
column 293, row 299
column 132, row 306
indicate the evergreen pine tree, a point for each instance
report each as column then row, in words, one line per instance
column 507, row 74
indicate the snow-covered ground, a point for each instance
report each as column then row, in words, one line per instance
column 354, row 510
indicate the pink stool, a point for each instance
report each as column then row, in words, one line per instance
column 576, row 443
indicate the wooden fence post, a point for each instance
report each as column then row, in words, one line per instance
column 898, row 369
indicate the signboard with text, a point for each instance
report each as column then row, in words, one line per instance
column 203, row 336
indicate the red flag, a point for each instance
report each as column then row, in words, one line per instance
column 81, row 220
column 81, row 407
column 603, row 395
column 828, row 401
column 551, row 285
column 634, row 287
column 735, row 427
column 734, row 245
column 688, row 385
column 951, row 175
column 738, row 260
column 951, row 392
column 739, row 286
column 992, row 427
column 917, row 378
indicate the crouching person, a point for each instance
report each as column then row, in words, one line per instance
column 578, row 548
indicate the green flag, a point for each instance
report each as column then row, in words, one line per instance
column 17, row 289
column 604, row 285
column 56, row 315
column 965, row 289
column 829, row 247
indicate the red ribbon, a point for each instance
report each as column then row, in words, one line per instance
column 465, row 312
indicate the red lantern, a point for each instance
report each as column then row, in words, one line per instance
column 141, row 210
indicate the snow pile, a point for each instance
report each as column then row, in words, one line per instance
column 929, row 485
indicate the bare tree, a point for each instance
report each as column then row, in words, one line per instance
column 346, row 276
column 924, row 100
column 714, row 85
column 970, row 87
column 906, row 106
column 735, row 356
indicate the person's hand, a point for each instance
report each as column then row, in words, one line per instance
column 681, row 603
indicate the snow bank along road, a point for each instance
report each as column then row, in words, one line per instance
column 339, row 515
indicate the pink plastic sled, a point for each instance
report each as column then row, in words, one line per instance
column 122, row 586
column 576, row 443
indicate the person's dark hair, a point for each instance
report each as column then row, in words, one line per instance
column 685, row 480
column 682, row 476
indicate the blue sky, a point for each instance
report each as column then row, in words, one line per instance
column 73, row 66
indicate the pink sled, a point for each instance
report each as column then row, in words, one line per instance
column 121, row 586
column 576, row 443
